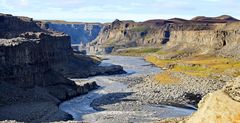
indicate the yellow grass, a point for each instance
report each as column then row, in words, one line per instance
column 193, row 70
column 175, row 52
column 201, row 66
column 165, row 78
column 215, row 64
column 137, row 51
column 159, row 62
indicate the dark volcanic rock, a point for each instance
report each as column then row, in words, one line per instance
column 11, row 26
column 27, row 62
column 34, row 66
column 79, row 32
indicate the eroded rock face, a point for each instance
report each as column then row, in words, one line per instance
column 218, row 35
column 11, row 26
column 34, row 66
column 79, row 32
column 27, row 62
column 223, row 40
column 222, row 106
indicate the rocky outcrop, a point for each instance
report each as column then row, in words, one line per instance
column 123, row 34
column 34, row 66
column 222, row 39
column 222, row 106
column 11, row 27
column 79, row 32
column 203, row 34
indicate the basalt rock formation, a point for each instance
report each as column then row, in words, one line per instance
column 34, row 64
column 202, row 34
column 79, row 32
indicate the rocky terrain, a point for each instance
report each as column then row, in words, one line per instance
column 34, row 66
column 221, row 106
column 129, row 97
column 203, row 34
column 200, row 59
column 79, row 32
column 199, row 56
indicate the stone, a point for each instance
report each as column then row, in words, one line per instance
column 222, row 106
column 233, row 89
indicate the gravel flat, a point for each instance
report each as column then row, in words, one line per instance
column 120, row 98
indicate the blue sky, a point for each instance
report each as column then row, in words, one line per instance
column 109, row 10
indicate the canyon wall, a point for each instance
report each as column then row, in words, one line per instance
column 79, row 32
column 35, row 64
column 202, row 34
column 223, row 39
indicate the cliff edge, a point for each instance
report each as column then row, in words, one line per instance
column 217, row 35
column 34, row 66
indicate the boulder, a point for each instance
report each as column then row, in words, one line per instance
column 222, row 106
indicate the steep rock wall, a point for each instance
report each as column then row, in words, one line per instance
column 11, row 26
column 34, row 66
column 79, row 33
column 223, row 40
column 207, row 35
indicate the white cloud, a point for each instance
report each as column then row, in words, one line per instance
column 139, row 10
column 24, row 3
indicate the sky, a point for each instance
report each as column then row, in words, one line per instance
column 109, row 10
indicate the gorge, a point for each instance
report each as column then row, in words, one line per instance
column 35, row 66
column 79, row 32
column 180, row 69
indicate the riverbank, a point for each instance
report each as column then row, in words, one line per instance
column 122, row 98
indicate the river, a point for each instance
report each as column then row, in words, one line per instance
column 81, row 110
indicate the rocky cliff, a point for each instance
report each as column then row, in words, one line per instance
column 79, row 32
column 222, row 106
column 34, row 64
column 203, row 34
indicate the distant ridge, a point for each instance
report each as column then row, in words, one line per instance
column 222, row 18
column 67, row 22
column 197, row 19
column 218, row 19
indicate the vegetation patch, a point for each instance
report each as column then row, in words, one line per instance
column 179, row 52
column 199, row 71
column 159, row 62
column 137, row 51
column 217, row 65
column 200, row 66
column 139, row 29
column 165, row 78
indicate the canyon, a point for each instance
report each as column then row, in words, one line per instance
column 203, row 50
column 34, row 69
column 79, row 32
column 188, row 65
